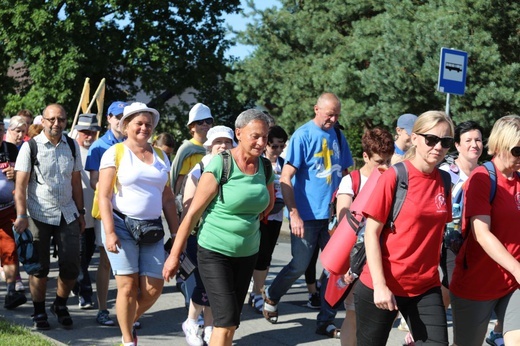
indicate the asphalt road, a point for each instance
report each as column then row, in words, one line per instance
column 162, row 324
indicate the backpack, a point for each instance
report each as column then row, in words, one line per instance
column 26, row 251
column 333, row 217
column 33, row 150
column 120, row 150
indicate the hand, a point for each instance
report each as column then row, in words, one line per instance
column 384, row 298
column 20, row 225
column 171, row 265
column 348, row 278
column 112, row 243
column 297, row 226
column 9, row 172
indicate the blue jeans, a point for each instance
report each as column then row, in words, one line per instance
column 316, row 234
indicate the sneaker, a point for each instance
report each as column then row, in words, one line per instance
column 62, row 313
column 314, row 301
column 19, row 287
column 329, row 330
column 192, row 334
column 14, row 299
column 495, row 339
column 104, row 319
column 207, row 334
column 40, row 322
column 85, row 303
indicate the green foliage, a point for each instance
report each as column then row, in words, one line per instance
column 381, row 59
column 158, row 47
column 13, row 335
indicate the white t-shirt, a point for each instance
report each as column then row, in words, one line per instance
column 345, row 186
column 277, row 171
column 139, row 186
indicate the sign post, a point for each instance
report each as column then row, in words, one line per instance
column 452, row 73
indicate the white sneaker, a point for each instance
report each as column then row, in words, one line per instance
column 207, row 334
column 19, row 287
column 192, row 334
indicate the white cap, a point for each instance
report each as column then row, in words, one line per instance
column 138, row 107
column 199, row 112
column 37, row 120
column 219, row 132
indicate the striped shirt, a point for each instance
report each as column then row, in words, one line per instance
column 49, row 193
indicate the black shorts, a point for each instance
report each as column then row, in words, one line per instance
column 226, row 280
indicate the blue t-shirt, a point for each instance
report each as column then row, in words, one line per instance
column 98, row 148
column 316, row 155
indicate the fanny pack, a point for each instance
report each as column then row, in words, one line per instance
column 143, row 231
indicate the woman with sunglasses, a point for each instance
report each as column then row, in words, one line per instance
column 487, row 269
column 401, row 273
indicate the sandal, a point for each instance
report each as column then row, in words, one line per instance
column 329, row 330
column 270, row 310
column 258, row 303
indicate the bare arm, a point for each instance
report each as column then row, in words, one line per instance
column 20, row 199
column 288, row 172
column 189, row 191
column 77, row 196
column 169, row 210
column 94, row 178
column 105, row 192
column 383, row 297
column 201, row 200
column 272, row 198
column 178, row 184
column 492, row 246
column 342, row 205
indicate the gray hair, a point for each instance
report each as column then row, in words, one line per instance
column 250, row 115
column 16, row 122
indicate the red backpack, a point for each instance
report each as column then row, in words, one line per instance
column 333, row 217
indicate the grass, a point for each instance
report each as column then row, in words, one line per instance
column 15, row 335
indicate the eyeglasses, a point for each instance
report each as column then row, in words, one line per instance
column 53, row 120
column 432, row 140
column 208, row 121
column 515, row 151
column 275, row 147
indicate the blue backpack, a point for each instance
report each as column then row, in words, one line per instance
column 27, row 253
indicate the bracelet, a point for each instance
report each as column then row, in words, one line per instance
column 22, row 216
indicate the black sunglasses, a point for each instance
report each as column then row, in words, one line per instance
column 515, row 151
column 275, row 147
column 432, row 140
column 208, row 121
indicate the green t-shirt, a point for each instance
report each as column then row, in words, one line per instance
column 232, row 227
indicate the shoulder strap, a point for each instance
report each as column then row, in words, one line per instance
column 120, row 150
column 72, row 147
column 446, row 180
column 159, row 152
column 226, row 169
column 490, row 167
column 338, row 136
column 400, row 192
column 33, row 148
column 356, row 182
column 268, row 168
column 281, row 161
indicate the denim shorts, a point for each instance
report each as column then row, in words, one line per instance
column 145, row 259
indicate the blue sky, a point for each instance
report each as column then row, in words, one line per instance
column 238, row 22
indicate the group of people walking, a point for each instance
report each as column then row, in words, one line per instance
column 223, row 202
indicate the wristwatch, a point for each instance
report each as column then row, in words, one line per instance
column 81, row 211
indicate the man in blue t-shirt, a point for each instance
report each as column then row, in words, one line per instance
column 316, row 158
column 403, row 139
column 96, row 151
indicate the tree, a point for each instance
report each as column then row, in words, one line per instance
column 380, row 58
column 157, row 47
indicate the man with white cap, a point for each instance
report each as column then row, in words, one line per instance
column 403, row 140
column 96, row 151
column 191, row 151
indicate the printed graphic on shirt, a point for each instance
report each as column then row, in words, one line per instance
column 324, row 166
column 440, row 202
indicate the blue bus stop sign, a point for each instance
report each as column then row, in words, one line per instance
column 452, row 71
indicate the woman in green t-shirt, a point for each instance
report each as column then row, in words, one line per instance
column 229, row 235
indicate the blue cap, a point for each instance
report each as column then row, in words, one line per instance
column 116, row 108
column 406, row 122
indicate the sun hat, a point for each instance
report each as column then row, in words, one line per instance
column 87, row 122
column 37, row 120
column 139, row 107
column 117, row 108
column 406, row 122
column 219, row 132
column 199, row 112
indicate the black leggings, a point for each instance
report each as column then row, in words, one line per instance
column 268, row 237
column 425, row 315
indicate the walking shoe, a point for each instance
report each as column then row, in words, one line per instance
column 104, row 319
column 18, row 286
column 329, row 330
column 85, row 303
column 207, row 334
column 314, row 301
column 62, row 313
column 40, row 322
column 14, row 299
column 134, row 336
column 192, row 334
column 495, row 339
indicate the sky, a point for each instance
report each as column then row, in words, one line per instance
column 238, row 22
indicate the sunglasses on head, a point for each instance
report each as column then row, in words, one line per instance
column 208, row 121
column 515, row 151
column 432, row 140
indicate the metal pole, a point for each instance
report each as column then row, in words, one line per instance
column 448, row 104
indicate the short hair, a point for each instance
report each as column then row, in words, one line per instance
column 466, row 126
column 328, row 96
column 16, row 122
column 25, row 113
column 277, row 132
column 57, row 105
column 250, row 115
column 377, row 141
column 165, row 139
column 427, row 121
column 504, row 135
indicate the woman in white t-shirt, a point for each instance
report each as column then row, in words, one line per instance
column 142, row 193
column 378, row 148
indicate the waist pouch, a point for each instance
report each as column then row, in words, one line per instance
column 143, row 231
